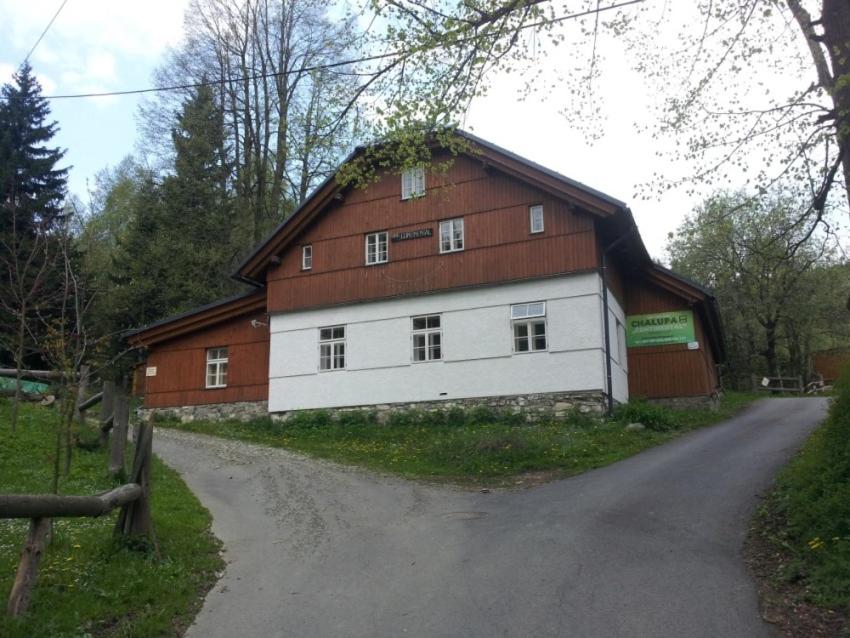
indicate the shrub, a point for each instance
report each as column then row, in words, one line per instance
column 655, row 417
column 814, row 496
column 357, row 418
column 309, row 419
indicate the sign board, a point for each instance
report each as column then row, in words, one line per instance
column 151, row 371
column 660, row 328
column 413, row 234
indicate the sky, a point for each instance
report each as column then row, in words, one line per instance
column 104, row 45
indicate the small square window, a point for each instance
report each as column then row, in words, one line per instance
column 451, row 235
column 535, row 215
column 413, row 182
column 332, row 348
column 306, row 257
column 427, row 339
column 529, row 326
column 377, row 248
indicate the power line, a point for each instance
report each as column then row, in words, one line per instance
column 306, row 69
column 46, row 29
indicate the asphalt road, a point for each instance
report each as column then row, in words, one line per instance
column 650, row 546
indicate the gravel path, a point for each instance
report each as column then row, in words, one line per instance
column 650, row 546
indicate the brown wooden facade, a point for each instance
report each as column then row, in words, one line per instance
column 178, row 352
column 498, row 244
column 670, row 370
column 492, row 191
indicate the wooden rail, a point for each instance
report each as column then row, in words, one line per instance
column 134, row 518
column 778, row 384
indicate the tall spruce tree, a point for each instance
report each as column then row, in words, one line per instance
column 32, row 192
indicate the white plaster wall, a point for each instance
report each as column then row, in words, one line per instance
column 619, row 355
column 477, row 348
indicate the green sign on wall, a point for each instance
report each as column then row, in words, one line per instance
column 660, row 328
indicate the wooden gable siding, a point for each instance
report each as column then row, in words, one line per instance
column 670, row 370
column 498, row 244
column 181, row 365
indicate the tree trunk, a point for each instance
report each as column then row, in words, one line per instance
column 28, row 567
column 770, row 350
column 19, row 364
column 77, row 416
column 835, row 19
column 107, row 405
column 119, row 433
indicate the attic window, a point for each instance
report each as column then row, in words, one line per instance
column 306, row 257
column 535, row 216
column 413, row 182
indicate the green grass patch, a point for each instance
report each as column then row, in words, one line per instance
column 477, row 446
column 90, row 584
column 812, row 500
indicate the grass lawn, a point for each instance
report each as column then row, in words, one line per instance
column 90, row 584
column 799, row 545
column 471, row 447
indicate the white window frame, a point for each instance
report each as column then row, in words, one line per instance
column 307, row 257
column 216, row 367
column 332, row 348
column 428, row 333
column 456, row 243
column 529, row 315
column 413, row 182
column 535, row 213
column 378, row 253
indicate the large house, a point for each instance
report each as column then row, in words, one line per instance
column 495, row 282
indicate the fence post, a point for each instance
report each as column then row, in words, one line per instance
column 107, row 405
column 120, row 422
column 134, row 520
column 19, row 599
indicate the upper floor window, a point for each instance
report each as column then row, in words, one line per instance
column 413, row 182
column 216, row 368
column 377, row 248
column 451, row 235
column 427, row 338
column 535, row 216
column 332, row 348
column 306, row 257
column 529, row 326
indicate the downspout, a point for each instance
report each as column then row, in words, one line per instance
column 609, row 390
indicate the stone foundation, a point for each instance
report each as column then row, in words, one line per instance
column 686, row 403
column 241, row 411
column 533, row 406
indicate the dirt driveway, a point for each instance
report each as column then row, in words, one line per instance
column 650, row 546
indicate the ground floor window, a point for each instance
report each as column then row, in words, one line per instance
column 427, row 339
column 216, row 367
column 332, row 348
column 529, row 326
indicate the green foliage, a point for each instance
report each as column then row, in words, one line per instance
column 782, row 294
column 89, row 584
column 655, row 417
column 813, row 496
column 32, row 193
column 475, row 446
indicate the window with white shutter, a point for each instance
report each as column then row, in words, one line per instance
column 413, row 182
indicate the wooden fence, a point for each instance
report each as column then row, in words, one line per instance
column 777, row 384
column 134, row 518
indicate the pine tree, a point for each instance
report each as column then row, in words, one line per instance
column 32, row 192
column 198, row 208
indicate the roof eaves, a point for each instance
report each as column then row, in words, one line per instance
column 189, row 313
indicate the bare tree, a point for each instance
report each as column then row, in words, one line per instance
column 27, row 260
column 284, row 129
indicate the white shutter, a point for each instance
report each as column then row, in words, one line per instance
column 407, row 184
column 419, row 181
